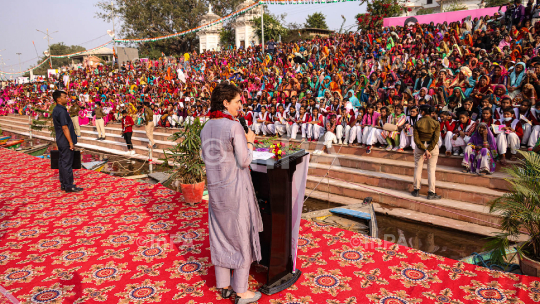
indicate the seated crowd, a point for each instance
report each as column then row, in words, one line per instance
column 481, row 76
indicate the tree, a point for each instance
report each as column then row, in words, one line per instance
column 455, row 5
column 146, row 19
column 273, row 27
column 227, row 35
column 495, row 3
column 58, row 49
column 316, row 20
column 376, row 11
column 425, row 11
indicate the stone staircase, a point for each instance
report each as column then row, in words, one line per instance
column 347, row 176
column 350, row 174
column 113, row 143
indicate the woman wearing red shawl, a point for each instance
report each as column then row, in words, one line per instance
column 499, row 93
column 483, row 88
column 467, row 40
column 440, row 81
column 499, row 76
column 514, row 33
column 516, row 53
column 460, row 81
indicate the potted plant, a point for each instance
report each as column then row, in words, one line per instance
column 188, row 165
column 46, row 123
column 520, row 210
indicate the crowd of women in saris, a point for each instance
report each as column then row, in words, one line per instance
column 481, row 76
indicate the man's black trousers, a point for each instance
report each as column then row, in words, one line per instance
column 65, row 166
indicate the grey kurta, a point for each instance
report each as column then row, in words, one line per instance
column 234, row 217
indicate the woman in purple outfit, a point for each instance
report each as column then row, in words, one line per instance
column 481, row 152
column 234, row 217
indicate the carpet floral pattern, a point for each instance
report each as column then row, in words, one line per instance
column 120, row 241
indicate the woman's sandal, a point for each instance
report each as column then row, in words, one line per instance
column 226, row 293
column 254, row 299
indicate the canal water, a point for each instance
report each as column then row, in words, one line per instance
column 445, row 242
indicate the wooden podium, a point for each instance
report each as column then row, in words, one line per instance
column 279, row 203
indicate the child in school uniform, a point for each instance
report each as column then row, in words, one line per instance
column 535, row 129
column 406, row 136
column 511, row 135
column 330, row 135
column 369, row 121
column 452, row 107
column 343, row 128
column 486, row 117
column 249, row 117
column 281, row 126
column 301, row 120
column 378, row 129
column 333, row 108
column 291, row 120
column 269, row 125
column 447, row 128
column 356, row 130
column 528, row 120
column 260, row 122
column 463, row 128
column 506, row 103
column 315, row 125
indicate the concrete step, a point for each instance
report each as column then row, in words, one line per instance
column 135, row 140
column 92, row 135
column 414, row 216
column 453, row 191
column 121, row 146
column 407, row 155
column 443, row 173
column 89, row 135
column 111, row 144
column 23, row 118
column 110, row 129
column 463, row 211
column 116, row 129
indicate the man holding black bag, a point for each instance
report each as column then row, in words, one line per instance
column 65, row 140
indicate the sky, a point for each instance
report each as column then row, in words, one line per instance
column 76, row 25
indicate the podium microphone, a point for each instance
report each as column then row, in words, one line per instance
column 242, row 121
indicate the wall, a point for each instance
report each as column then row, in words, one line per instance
column 126, row 54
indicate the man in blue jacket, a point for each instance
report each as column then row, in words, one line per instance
column 65, row 140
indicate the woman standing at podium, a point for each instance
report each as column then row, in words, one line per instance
column 234, row 217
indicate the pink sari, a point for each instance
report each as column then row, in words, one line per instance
column 83, row 120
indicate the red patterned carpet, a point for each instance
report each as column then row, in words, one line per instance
column 121, row 241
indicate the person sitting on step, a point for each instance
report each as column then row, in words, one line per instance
column 392, row 137
column 510, row 135
column 406, row 136
column 368, row 125
column 356, row 130
column 463, row 129
column 447, row 129
column 343, row 129
column 535, row 130
column 315, row 126
column 330, row 135
column 258, row 126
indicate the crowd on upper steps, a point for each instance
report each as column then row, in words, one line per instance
column 481, row 77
